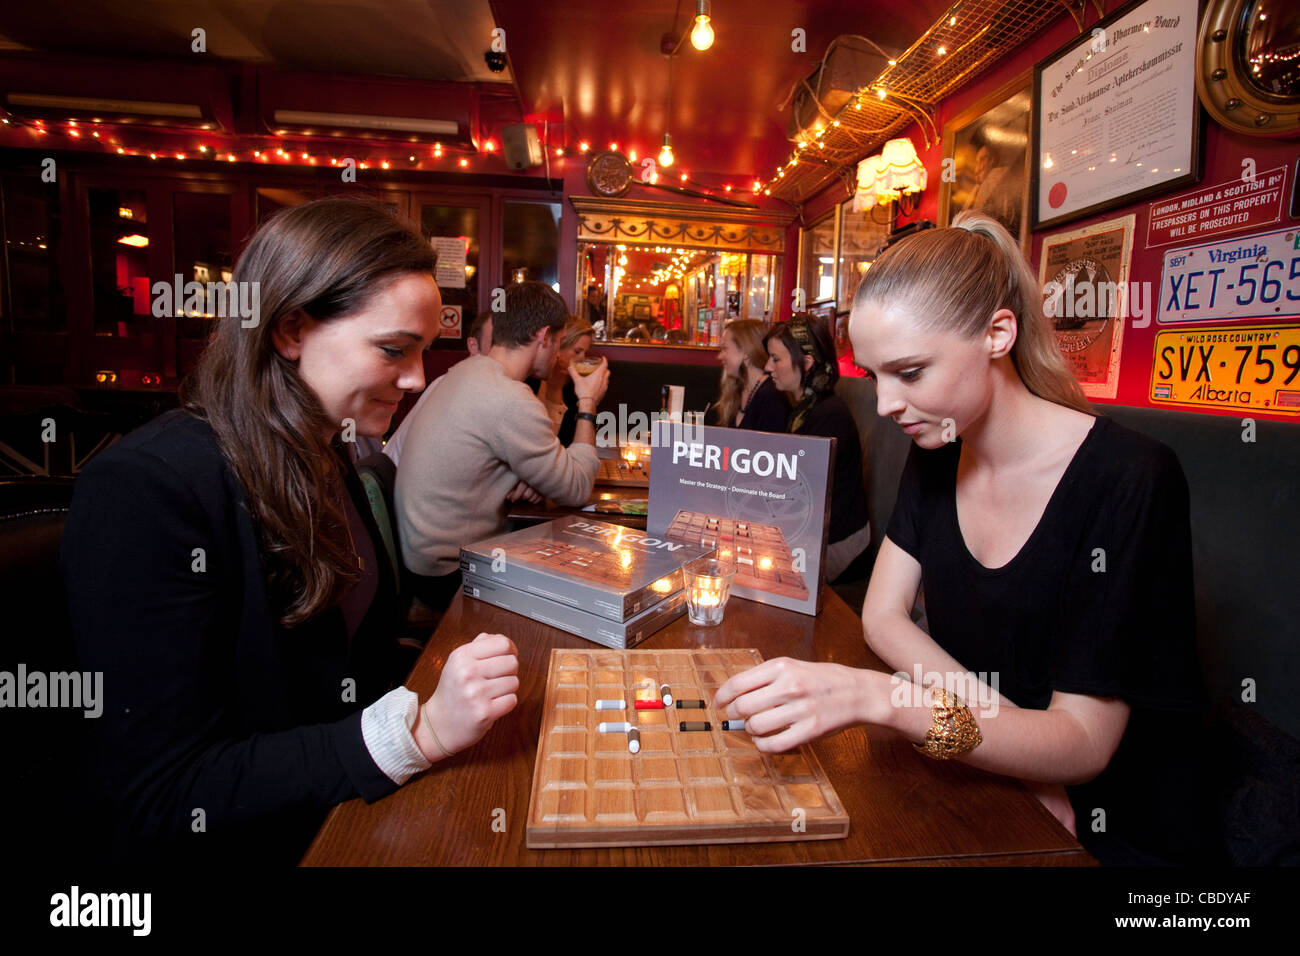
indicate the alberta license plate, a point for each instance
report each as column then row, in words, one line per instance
column 1233, row 367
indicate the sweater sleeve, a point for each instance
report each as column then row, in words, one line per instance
column 155, row 585
column 528, row 445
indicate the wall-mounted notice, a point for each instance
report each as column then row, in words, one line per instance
column 1115, row 112
column 450, row 270
column 1084, row 277
column 1252, row 201
column 1250, row 277
column 449, row 322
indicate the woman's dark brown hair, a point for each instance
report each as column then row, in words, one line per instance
column 327, row 258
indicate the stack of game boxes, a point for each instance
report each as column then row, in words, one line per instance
column 604, row 582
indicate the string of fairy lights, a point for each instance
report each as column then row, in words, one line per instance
column 284, row 149
column 932, row 46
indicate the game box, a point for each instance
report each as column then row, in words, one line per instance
column 600, row 630
column 761, row 499
column 594, row 566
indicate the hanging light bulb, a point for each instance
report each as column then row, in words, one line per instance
column 702, row 33
column 666, row 154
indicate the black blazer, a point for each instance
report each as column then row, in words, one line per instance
column 224, row 738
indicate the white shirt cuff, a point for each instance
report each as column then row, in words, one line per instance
column 386, row 729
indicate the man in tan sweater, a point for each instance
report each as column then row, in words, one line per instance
column 483, row 438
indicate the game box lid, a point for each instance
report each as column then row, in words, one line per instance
column 595, row 566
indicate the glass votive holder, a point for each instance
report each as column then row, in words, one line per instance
column 708, row 585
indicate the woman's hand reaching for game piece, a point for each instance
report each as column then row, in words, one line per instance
column 785, row 702
column 478, row 685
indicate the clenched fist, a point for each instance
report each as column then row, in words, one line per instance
column 477, row 686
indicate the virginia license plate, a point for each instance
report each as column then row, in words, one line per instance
column 1257, row 277
column 1233, row 367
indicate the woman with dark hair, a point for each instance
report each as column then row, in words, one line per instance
column 801, row 361
column 221, row 565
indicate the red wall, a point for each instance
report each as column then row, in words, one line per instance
column 1224, row 152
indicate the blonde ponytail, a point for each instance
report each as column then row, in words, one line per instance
column 956, row 278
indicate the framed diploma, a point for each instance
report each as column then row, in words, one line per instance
column 1115, row 114
column 1084, row 277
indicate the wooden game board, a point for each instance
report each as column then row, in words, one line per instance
column 762, row 557
column 616, row 471
column 682, row 788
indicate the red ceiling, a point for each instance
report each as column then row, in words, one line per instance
column 596, row 68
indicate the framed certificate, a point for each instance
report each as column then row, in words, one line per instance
column 1115, row 114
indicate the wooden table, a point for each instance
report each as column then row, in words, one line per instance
column 903, row 807
column 548, row 510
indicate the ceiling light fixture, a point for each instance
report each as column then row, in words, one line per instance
column 702, row 33
column 666, row 154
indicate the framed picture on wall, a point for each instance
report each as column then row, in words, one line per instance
column 1115, row 113
column 986, row 159
column 1084, row 277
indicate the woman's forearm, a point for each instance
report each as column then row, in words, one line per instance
column 908, row 650
column 1049, row 746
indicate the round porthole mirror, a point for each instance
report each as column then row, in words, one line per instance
column 1248, row 69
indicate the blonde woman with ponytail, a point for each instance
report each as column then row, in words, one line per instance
column 1054, row 549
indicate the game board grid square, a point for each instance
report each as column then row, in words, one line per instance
column 658, row 770
column 763, row 802
column 563, row 806
column 749, row 769
column 656, row 740
column 791, row 768
column 805, row 796
column 660, row 804
column 566, row 743
column 565, row 773
column 703, row 770
column 615, row 805
column 613, row 770
column 574, row 696
column 712, row 803
column 696, row 741
column 738, row 741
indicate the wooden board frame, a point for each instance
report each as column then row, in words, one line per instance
column 763, row 791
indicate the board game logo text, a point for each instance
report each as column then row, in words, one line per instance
column 624, row 536
column 764, row 464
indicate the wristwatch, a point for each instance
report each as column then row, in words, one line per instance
column 587, row 417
